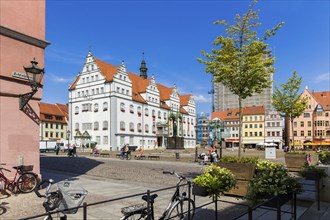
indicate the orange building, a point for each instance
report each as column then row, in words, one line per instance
column 22, row 38
column 314, row 124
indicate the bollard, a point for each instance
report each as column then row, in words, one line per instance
column 177, row 155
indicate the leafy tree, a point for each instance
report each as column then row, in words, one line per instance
column 241, row 60
column 289, row 102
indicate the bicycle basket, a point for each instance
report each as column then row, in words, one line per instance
column 73, row 196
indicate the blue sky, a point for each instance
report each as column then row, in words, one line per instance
column 172, row 33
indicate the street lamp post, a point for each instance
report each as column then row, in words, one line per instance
column 68, row 134
column 196, row 149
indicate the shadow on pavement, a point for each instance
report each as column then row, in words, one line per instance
column 76, row 166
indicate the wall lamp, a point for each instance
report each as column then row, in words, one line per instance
column 34, row 75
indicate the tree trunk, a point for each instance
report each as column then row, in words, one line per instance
column 287, row 131
column 291, row 119
column 240, row 126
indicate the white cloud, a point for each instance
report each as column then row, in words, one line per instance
column 59, row 79
column 325, row 77
column 202, row 99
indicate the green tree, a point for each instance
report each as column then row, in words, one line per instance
column 289, row 102
column 241, row 61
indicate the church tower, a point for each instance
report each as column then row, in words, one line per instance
column 143, row 68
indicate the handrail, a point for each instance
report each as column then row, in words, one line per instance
column 249, row 211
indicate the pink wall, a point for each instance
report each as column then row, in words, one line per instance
column 19, row 134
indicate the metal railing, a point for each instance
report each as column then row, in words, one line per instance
column 214, row 200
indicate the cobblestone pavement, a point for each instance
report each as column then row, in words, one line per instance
column 142, row 174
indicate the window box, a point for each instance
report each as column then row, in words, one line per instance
column 139, row 113
column 105, row 129
column 131, row 111
column 132, row 129
column 122, row 129
column 123, row 110
column 147, row 131
column 96, row 110
column 147, row 114
column 139, row 130
column 76, row 113
column 105, row 109
column 96, row 129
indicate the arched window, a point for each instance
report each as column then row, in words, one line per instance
column 146, row 111
column 139, row 127
column 131, row 126
column 76, row 110
column 165, row 116
column 159, row 114
column 122, row 126
column 131, row 109
column 153, row 113
column 154, row 129
column 105, row 125
column 139, row 110
column 122, row 107
column 76, row 126
column 96, row 107
column 96, row 126
column 105, row 106
column 147, row 128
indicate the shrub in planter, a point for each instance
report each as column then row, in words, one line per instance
column 324, row 157
column 217, row 180
column 313, row 172
column 243, row 168
column 271, row 180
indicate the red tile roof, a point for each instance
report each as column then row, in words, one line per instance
column 139, row 85
column 254, row 110
column 323, row 98
column 233, row 114
column 53, row 110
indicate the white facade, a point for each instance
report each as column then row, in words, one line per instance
column 113, row 107
column 274, row 124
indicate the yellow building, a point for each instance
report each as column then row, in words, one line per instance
column 253, row 129
column 53, row 121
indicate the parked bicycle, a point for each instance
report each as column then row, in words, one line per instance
column 179, row 207
column 24, row 180
column 64, row 199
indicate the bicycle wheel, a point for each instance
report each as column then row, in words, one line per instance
column 180, row 210
column 53, row 201
column 27, row 182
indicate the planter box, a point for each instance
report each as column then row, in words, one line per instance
column 281, row 199
column 313, row 176
column 199, row 190
column 243, row 172
column 294, row 162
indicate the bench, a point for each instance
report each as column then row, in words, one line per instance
column 154, row 157
column 142, row 157
column 104, row 154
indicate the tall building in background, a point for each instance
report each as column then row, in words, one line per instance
column 22, row 38
column 224, row 99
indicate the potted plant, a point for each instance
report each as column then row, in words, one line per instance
column 243, row 168
column 272, row 180
column 214, row 180
column 313, row 172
